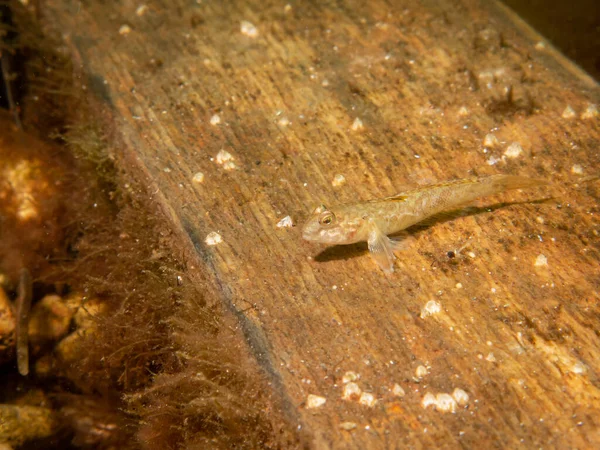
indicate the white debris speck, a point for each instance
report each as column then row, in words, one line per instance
column 351, row 391
column 248, row 29
column 350, row 376
column 458, row 285
column 286, row 222
column 577, row 169
column 348, row 426
column 215, row 119
column 463, row 111
column 283, row 122
column 590, row 112
column 223, row 156
column 514, row 150
column 367, row 399
column 541, row 260
column 338, row 180
column 540, row 219
column 445, row 402
column 429, row 400
column 568, row 113
column 492, row 160
column 421, row 371
column 490, row 140
column 357, row 125
column 325, row 83
column 166, row 169
column 398, row 391
column 471, row 255
column 124, row 30
column 198, row 178
column 315, row 401
column 141, row 10
column 540, row 45
column 490, row 357
column 461, row 397
column 431, row 307
column 213, row 238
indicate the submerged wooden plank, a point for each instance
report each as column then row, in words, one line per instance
column 270, row 101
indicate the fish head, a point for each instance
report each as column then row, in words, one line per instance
column 329, row 227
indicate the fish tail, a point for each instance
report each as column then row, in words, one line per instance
column 501, row 183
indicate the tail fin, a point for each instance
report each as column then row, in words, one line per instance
column 500, row 183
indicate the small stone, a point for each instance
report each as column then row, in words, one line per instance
column 223, row 156
column 421, row 371
column 338, row 180
column 49, row 320
column 213, row 238
column 461, row 397
column 86, row 316
column 577, row 169
column 490, row 140
column 347, row 426
column 490, row 357
column 229, row 165
column 286, row 222
column 350, row 376
column 428, row 400
column 541, row 260
column 141, row 10
column 398, row 391
column 367, row 399
column 283, row 122
column 431, row 307
column 463, row 111
column 514, row 150
column 568, row 113
column 351, row 391
column 215, row 120
column 248, row 29
column 198, row 178
column 7, row 328
column 124, row 30
column 445, row 402
column 590, row 112
column 578, row 368
column 315, row 401
column 357, row 125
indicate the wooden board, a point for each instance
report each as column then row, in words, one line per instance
column 428, row 81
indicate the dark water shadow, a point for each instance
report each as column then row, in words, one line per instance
column 337, row 252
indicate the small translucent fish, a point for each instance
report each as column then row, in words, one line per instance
column 374, row 220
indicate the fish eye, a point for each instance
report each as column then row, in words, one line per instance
column 327, row 219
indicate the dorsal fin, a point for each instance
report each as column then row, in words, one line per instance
column 393, row 198
column 397, row 197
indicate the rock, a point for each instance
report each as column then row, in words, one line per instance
column 7, row 328
column 49, row 321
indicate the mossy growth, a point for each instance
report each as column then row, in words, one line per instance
column 163, row 366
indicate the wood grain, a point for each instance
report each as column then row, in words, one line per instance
column 428, row 80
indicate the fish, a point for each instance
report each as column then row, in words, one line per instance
column 374, row 220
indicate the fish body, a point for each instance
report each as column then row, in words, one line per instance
column 374, row 220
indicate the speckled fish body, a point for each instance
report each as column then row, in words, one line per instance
column 372, row 221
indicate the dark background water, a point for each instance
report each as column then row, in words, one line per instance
column 572, row 26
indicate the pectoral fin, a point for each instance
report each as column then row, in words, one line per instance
column 382, row 248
